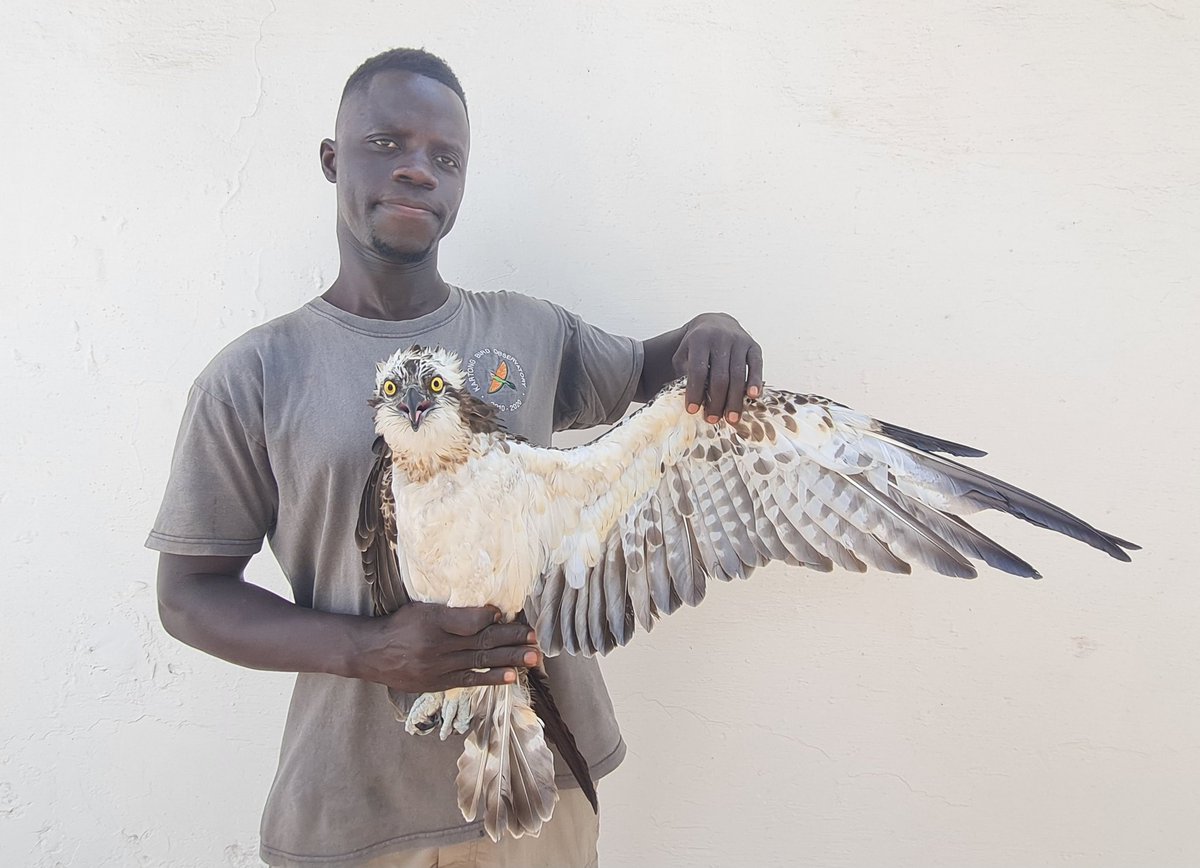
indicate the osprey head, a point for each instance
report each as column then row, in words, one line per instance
column 414, row 385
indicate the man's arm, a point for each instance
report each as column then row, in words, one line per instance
column 204, row 602
column 722, row 363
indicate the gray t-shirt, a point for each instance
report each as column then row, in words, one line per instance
column 276, row 442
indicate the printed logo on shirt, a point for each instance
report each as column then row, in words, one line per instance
column 497, row 377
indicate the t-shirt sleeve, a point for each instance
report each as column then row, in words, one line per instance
column 221, row 497
column 598, row 375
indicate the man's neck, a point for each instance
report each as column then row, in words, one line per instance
column 377, row 289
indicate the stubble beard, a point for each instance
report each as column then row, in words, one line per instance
column 400, row 257
column 396, row 255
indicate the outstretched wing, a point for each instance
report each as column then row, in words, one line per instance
column 376, row 535
column 636, row 522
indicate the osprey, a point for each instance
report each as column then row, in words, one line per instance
column 589, row 542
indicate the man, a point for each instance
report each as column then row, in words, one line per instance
column 275, row 443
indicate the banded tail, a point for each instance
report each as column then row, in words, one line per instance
column 506, row 770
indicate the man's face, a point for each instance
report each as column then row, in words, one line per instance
column 400, row 162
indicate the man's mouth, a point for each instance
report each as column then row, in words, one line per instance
column 408, row 207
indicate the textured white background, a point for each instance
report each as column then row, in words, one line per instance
column 975, row 218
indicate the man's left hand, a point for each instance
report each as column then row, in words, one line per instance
column 722, row 363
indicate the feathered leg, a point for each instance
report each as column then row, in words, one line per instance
column 506, row 771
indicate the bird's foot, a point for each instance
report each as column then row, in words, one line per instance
column 425, row 714
column 456, row 711
column 446, row 711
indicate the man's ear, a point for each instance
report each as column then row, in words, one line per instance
column 329, row 159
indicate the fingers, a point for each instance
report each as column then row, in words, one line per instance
column 718, row 385
column 477, row 625
column 463, row 620
column 472, row 678
column 745, row 380
column 496, row 658
column 729, row 378
column 502, row 635
column 722, row 364
column 736, row 395
column 696, row 372
column 754, row 375
column 491, row 665
column 427, row 647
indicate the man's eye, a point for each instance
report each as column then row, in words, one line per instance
column 448, row 161
column 386, row 143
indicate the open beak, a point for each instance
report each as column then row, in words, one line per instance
column 416, row 405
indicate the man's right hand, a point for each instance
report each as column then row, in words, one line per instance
column 420, row 648
column 424, row 647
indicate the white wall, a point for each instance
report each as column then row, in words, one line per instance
column 975, row 218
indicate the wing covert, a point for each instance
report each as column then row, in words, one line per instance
column 642, row 517
column 376, row 535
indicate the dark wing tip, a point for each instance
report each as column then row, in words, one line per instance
column 927, row 442
column 1024, row 571
column 1125, row 544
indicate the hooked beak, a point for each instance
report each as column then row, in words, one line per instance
column 415, row 405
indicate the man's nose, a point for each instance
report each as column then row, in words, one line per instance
column 415, row 169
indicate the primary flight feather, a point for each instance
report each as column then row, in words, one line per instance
column 592, row 541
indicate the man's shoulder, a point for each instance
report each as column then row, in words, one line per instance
column 505, row 302
column 243, row 362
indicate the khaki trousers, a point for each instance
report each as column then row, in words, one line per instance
column 567, row 841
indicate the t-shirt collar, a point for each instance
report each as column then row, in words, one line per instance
column 386, row 328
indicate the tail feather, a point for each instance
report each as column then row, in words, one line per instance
column 560, row 734
column 506, row 770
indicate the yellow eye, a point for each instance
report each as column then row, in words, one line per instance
column 389, row 388
column 436, row 385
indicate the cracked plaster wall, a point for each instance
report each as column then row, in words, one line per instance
column 974, row 218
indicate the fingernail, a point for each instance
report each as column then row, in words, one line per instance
column 509, row 675
column 531, row 638
column 713, row 419
column 531, row 658
column 732, row 417
column 752, row 391
column 692, row 408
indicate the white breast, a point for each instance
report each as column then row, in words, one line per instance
column 462, row 535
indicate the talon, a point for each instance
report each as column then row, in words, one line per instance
column 462, row 720
column 425, row 715
column 448, row 719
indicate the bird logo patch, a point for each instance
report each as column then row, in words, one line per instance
column 500, row 378
column 497, row 377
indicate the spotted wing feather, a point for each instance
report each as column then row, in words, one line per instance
column 636, row 522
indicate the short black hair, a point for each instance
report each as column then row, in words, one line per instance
column 414, row 60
